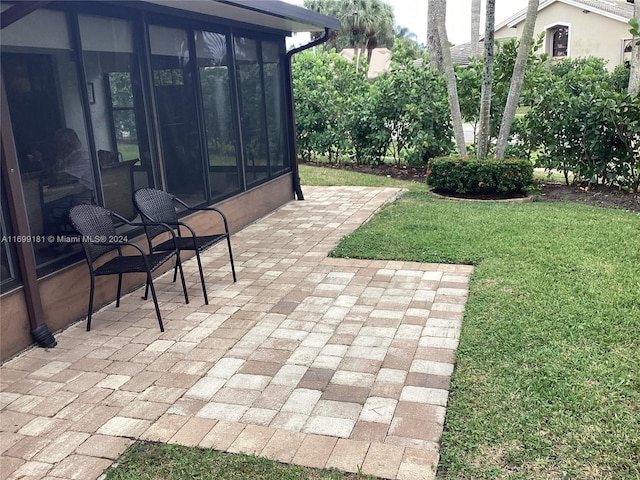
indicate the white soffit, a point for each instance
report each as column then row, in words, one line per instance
column 272, row 14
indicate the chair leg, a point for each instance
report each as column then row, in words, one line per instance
column 119, row 290
column 155, row 301
column 175, row 271
column 90, row 304
column 204, row 288
column 233, row 268
column 146, row 290
column 184, row 284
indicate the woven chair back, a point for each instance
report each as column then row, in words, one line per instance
column 95, row 225
column 156, row 206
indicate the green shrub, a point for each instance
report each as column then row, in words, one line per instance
column 403, row 114
column 620, row 78
column 470, row 175
column 583, row 122
column 325, row 86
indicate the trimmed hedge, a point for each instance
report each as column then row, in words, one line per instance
column 470, row 175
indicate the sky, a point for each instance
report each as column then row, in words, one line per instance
column 412, row 14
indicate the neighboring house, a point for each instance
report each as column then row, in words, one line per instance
column 193, row 97
column 579, row 28
column 380, row 61
column 460, row 53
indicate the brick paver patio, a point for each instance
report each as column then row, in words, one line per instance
column 307, row 359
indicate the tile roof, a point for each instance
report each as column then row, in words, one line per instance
column 621, row 8
column 616, row 8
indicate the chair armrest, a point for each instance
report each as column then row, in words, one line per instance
column 119, row 244
column 205, row 209
column 175, row 224
column 166, row 225
column 144, row 224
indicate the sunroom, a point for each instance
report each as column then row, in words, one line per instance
column 102, row 98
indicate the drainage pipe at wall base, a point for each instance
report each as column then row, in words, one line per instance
column 293, row 145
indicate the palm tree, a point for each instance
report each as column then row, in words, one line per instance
column 487, row 80
column 382, row 34
column 518, row 77
column 475, row 28
column 368, row 22
column 433, row 37
column 406, row 46
column 634, row 75
column 439, row 12
column 326, row 7
column 365, row 24
column 404, row 32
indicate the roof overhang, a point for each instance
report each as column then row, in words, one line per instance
column 273, row 14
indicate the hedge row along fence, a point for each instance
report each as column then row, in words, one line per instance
column 576, row 116
column 339, row 114
column 581, row 121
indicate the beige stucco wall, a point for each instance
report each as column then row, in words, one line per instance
column 505, row 33
column 590, row 34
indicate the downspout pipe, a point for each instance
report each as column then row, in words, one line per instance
column 293, row 144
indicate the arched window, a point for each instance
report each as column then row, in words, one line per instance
column 560, row 41
column 628, row 46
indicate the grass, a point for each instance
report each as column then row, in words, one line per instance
column 547, row 383
column 552, row 176
column 328, row 177
column 156, row 461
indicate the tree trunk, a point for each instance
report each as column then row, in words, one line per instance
column 475, row 28
column 487, row 80
column 365, row 49
column 433, row 38
column 634, row 75
column 452, row 88
column 518, row 77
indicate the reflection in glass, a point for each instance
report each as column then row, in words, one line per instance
column 273, row 89
column 6, row 268
column 252, row 113
column 122, row 105
column 116, row 107
column 177, row 111
column 8, row 273
column 211, row 51
column 48, row 124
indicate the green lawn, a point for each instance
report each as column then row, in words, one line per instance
column 547, row 379
column 327, row 177
column 156, row 461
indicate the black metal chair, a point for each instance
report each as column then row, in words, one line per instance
column 98, row 236
column 160, row 206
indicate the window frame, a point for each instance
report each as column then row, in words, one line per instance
column 260, row 39
column 550, row 39
column 233, row 107
column 141, row 19
column 7, row 247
